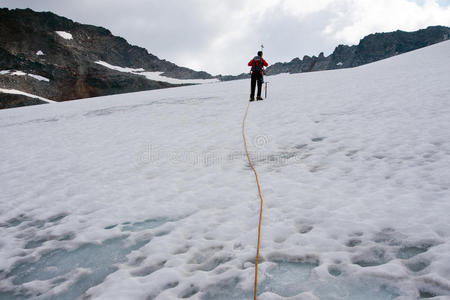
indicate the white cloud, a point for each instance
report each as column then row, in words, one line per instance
column 355, row 19
column 304, row 8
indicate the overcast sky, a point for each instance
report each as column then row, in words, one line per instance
column 221, row 36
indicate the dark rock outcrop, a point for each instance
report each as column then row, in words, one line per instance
column 371, row 48
column 233, row 77
column 29, row 43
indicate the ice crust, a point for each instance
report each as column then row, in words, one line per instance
column 149, row 196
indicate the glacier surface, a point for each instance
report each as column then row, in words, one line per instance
column 149, row 195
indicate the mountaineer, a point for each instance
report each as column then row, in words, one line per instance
column 257, row 71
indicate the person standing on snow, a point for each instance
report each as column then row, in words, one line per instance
column 257, row 64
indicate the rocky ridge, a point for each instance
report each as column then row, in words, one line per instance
column 371, row 48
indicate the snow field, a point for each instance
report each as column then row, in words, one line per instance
column 149, row 195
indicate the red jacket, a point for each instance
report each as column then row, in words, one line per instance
column 250, row 63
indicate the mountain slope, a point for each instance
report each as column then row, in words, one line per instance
column 149, row 196
column 64, row 53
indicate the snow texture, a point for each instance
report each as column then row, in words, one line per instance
column 156, row 76
column 39, row 53
column 149, row 195
column 65, row 35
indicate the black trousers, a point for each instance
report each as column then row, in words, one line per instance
column 256, row 77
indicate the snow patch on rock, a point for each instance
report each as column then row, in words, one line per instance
column 65, row 35
column 120, row 69
column 17, row 92
column 156, row 76
column 20, row 73
column 38, row 77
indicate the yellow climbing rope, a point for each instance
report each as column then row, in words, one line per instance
column 260, row 197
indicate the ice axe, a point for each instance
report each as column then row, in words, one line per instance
column 265, row 89
column 265, row 83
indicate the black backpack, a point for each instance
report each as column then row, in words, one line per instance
column 257, row 65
